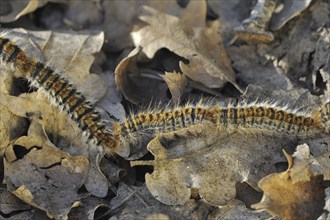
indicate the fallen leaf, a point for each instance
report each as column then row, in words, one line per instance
column 64, row 132
column 118, row 25
column 177, row 84
column 290, row 10
column 297, row 193
column 200, row 45
column 11, row 125
column 36, row 171
column 14, row 9
column 210, row 161
column 136, row 88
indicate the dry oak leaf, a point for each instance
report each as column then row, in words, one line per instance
column 297, row 193
column 190, row 39
column 177, row 84
column 11, row 126
column 43, row 176
column 135, row 87
column 65, row 132
column 209, row 160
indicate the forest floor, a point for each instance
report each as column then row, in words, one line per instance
column 160, row 71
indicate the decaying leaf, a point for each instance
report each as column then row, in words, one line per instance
column 64, row 132
column 290, row 10
column 190, row 39
column 135, row 88
column 177, row 84
column 11, row 126
column 208, row 160
column 297, row 193
column 36, row 171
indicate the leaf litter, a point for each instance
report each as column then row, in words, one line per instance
column 189, row 172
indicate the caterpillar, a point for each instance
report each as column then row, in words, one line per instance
column 258, row 117
column 264, row 116
column 63, row 93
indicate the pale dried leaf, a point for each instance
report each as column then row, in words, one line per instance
column 36, row 171
column 207, row 160
column 177, row 84
column 128, row 64
column 65, row 133
column 118, row 25
column 202, row 46
column 11, row 125
column 297, row 193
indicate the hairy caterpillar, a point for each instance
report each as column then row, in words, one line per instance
column 263, row 117
column 59, row 89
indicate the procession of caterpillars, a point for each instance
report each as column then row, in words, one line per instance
column 257, row 116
